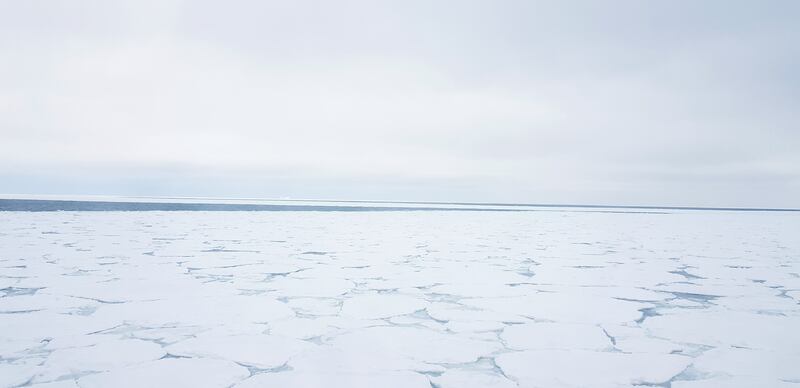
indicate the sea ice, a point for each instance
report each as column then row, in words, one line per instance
column 400, row 299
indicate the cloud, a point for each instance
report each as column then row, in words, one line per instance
column 678, row 103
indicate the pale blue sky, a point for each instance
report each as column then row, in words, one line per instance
column 624, row 102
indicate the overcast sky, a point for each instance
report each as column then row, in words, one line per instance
column 623, row 102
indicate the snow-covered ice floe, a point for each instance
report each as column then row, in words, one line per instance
column 400, row 299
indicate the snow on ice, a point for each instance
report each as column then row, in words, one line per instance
column 400, row 299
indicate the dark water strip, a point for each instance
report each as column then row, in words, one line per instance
column 46, row 205
column 37, row 205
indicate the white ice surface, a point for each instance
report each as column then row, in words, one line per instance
column 400, row 299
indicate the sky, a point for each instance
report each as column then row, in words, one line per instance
column 693, row 103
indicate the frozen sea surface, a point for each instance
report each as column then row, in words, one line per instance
column 400, row 299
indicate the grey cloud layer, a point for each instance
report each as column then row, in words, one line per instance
column 629, row 102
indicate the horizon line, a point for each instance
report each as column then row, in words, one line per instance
column 406, row 202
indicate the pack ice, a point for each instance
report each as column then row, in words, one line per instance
column 424, row 299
